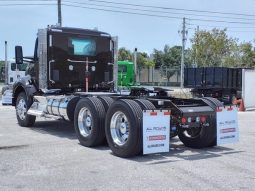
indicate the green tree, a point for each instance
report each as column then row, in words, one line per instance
column 188, row 59
column 1, row 63
column 158, row 58
column 143, row 60
column 125, row 54
column 247, row 55
column 212, row 48
column 169, row 59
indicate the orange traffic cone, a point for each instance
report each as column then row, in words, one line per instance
column 241, row 105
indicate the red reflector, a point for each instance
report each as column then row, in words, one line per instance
column 202, row 119
column 153, row 113
column 218, row 109
column 167, row 113
column 184, row 120
column 230, row 108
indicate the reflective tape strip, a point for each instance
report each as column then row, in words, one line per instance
column 219, row 109
column 153, row 113
column 167, row 113
column 230, row 108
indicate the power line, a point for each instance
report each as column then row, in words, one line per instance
column 25, row 0
column 225, row 27
column 241, row 31
column 23, row 4
column 157, row 7
column 126, row 12
column 160, row 16
column 133, row 13
column 178, row 9
column 218, row 26
column 158, row 11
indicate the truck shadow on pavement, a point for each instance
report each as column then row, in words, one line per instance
column 178, row 152
column 59, row 128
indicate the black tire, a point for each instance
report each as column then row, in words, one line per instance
column 107, row 101
column 91, row 132
column 145, row 104
column 131, row 113
column 197, row 138
column 212, row 102
column 22, row 105
column 203, row 136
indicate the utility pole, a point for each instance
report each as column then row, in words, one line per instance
column 197, row 35
column 184, row 38
column 6, row 64
column 59, row 14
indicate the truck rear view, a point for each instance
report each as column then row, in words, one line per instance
column 73, row 76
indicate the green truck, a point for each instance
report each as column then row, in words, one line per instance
column 125, row 73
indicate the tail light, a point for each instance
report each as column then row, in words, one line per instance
column 184, row 120
column 203, row 119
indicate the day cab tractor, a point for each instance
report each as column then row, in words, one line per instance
column 14, row 72
column 73, row 76
column 126, row 73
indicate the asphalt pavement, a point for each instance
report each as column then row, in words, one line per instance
column 49, row 157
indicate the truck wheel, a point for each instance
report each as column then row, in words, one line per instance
column 22, row 105
column 123, row 128
column 203, row 136
column 145, row 104
column 107, row 101
column 199, row 137
column 213, row 103
column 89, row 121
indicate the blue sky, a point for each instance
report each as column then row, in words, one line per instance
column 19, row 24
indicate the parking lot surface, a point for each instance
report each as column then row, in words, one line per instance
column 49, row 157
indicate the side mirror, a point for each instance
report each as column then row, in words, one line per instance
column 18, row 55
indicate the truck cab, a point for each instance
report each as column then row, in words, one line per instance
column 60, row 55
column 14, row 73
column 125, row 73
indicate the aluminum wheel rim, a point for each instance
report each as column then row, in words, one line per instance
column 85, row 122
column 21, row 109
column 119, row 128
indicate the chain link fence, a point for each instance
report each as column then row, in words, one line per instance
column 160, row 77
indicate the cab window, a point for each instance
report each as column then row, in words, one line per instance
column 82, row 47
column 122, row 68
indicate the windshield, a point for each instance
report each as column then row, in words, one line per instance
column 122, row 68
column 82, row 47
column 19, row 67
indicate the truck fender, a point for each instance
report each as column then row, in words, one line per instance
column 24, row 84
column 71, row 107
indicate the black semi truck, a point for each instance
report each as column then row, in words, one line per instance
column 73, row 76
